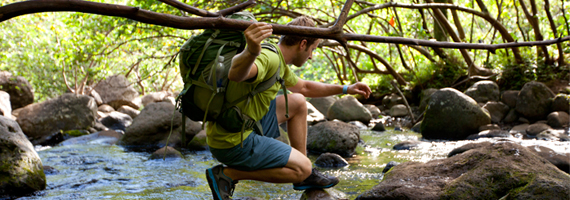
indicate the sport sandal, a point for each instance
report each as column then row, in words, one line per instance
column 222, row 186
column 316, row 181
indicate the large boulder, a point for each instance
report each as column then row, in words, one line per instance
column 509, row 97
column 155, row 97
column 5, row 106
column 484, row 91
column 334, row 137
column 129, row 111
column 558, row 119
column 374, row 110
column 21, row 169
column 323, row 103
column 452, row 115
column 117, row 91
column 150, row 129
column 18, row 87
column 498, row 110
column 560, row 160
column 425, row 96
column 41, row 121
column 534, row 101
column 117, row 121
column 399, row 110
column 349, row 109
column 501, row 170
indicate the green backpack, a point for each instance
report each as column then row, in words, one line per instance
column 205, row 61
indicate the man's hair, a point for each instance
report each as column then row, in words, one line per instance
column 291, row 40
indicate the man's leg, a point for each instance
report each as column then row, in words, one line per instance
column 297, row 121
column 298, row 168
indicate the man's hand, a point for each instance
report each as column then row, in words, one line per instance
column 359, row 88
column 256, row 33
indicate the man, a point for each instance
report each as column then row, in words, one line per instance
column 263, row 158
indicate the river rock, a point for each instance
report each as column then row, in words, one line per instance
column 392, row 99
column 558, row 119
column 489, row 127
column 492, row 171
column 198, row 142
column 323, row 104
column 484, row 91
column 349, row 109
column 150, row 129
column 168, row 151
column 389, row 166
column 511, row 116
column 21, row 170
column 109, row 137
column 129, row 111
column 536, row 128
column 374, row 110
column 553, row 135
column 498, row 110
column 425, row 96
column 323, row 194
column 407, row 145
column 105, row 108
column 5, row 106
column 398, row 110
column 18, row 87
column 154, row 97
column 509, row 97
column 330, row 160
column 96, row 96
column 417, row 127
column 379, row 127
column 334, row 137
column 41, row 121
column 561, row 103
column 534, row 101
column 314, row 116
column 521, row 128
column 117, row 121
column 496, row 133
column 116, row 91
column 452, row 115
column 560, row 160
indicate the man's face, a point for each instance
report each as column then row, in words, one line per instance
column 305, row 52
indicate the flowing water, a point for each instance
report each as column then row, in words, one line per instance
column 98, row 171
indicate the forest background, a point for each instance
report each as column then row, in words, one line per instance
column 59, row 52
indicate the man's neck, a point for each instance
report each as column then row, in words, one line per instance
column 288, row 53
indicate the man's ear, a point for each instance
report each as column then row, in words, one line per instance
column 303, row 45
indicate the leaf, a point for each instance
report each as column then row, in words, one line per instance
column 392, row 21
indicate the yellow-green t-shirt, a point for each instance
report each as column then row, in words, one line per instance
column 267, row 63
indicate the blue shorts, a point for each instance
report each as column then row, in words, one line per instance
column 258, row 152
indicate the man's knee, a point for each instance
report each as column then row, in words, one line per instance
column 299, row 101
column 305, row 170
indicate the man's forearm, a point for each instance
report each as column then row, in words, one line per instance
column 317, row 89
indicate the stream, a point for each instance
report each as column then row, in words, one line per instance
column 99, row 171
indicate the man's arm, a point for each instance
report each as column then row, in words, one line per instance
column 317, row 89
column 243, row 67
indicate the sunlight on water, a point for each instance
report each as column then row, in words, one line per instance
column 99, row 171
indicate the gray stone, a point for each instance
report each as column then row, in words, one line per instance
column 553, row 135
column 116, row 91
column 314, row 116
column 150, row 129
column 374, row 111
column 391, row 100
column 509, row 97
column 5, row 106
column 155, row 97
column 534, row 101
column 323, row 104
column 489, row 127
column 398, row 110
column 498, row 110
column 334, row 137
column 519, row 129
column 104, row 137
column 558, row 119
column 407, row 145
column 389, row 166
column 379, row 127
column 489, row 171
column 198, row 142
column 484, row 91
column 330, row 160
column 40, row 121
column 105, row 108
column 166, row 152
column 417, row 127
column 358, row 124
column 129, row 111
column 349, row 109
column 22, row 170
column 20, row 90
column 323, row 194
column 452, row 115
column 536, row 128
column 117, row 121
column 560, row 160
column 96, row 96
column 561, row 103
column 495, row 133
